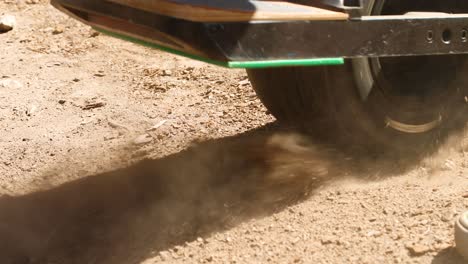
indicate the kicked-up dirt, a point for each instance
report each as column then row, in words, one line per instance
column 115, row 153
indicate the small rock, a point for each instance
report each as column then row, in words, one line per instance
column 93, row 105
column 47, row 30
column 7, row 23
column 447, row 217
column 374, row 233
column 244, row 82
column 417, row 249
column 31, row 110
column 450, row 165
column 94, row 34
column 57, row 30
column 167, row 73
column 52, row 64
column 61, row 101
column 397, row 236
column 109, row 138
column 178, row 249
column 327, row 240
column 416, row 213
column 117, row 125
column 143, row 139
column 295, row 241
column 156, row 126
column 164, row 255
column 9, row 83
column 442, row 246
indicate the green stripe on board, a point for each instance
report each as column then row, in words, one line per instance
column 284, row 63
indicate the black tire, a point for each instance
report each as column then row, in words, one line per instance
column 326, row 100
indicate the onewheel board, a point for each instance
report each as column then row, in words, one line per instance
column 264, row 34
column 179, row 35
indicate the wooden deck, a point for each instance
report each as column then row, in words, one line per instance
column 233, row 10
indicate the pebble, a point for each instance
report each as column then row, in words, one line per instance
column 156, row 126
column 142, row 139
column 167, row 73
column 417, row 249
column 450, row 165
column 374, row 233
column 164, row 255
column 7, row 23
column 327, row 240
column 446, row 217
column 93, row 105
column 31, row 110
column 57, row 30
column 244, row 82
column 9, row 83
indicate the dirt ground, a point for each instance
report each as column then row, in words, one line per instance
column 115, row 153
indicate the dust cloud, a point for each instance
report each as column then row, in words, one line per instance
column 126, row 215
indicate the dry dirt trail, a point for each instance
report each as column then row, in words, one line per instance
column 114, row 153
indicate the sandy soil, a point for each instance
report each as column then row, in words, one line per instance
column 115, row 153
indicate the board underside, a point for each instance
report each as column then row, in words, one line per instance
column 229, row 64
